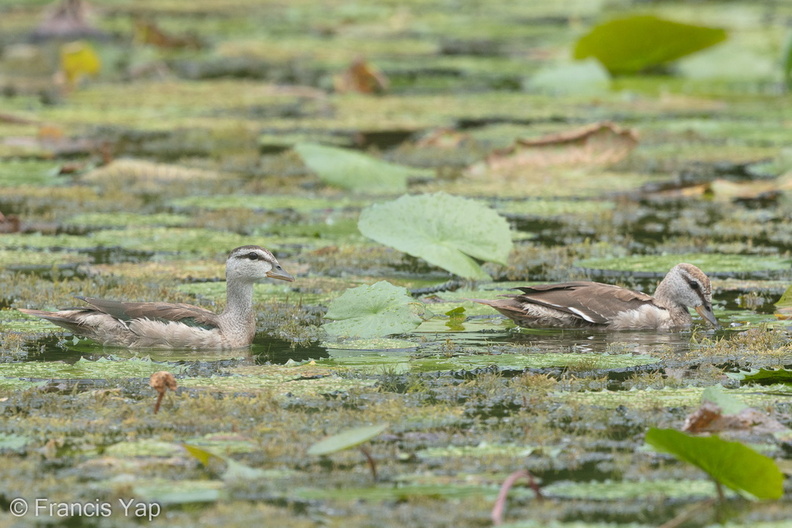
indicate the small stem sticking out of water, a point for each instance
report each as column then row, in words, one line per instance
column 687, row 514
column 370, row 459
column 161, row 381
column 500, row 502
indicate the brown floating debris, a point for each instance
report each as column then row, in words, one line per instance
column 361, row 77
column 148, row 32
column 711, row 419
column 10, row 223
column 162, row 381
column 599, row 144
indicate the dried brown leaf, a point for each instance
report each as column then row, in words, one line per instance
column 709, row 419
column 361, row 77
column 599, row 144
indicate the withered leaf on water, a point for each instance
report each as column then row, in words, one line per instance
column 361, row 77
column 710, row 418
column 599, row 144
column 148, row 32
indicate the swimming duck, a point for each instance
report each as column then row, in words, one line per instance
column 170, row 325
column 592, row 304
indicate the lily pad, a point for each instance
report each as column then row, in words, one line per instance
column 184, row 491
column 102, row 368
column 144, row 447
column 636, row 43
column 446, row 231
column 267, row 202
column 631, row 490
column 727, row 403
column 733, row 464
column 308, row 380
column 371, row 311
column 555, row 208
column 124, row 219
column 18, row 259
column 401, row 493
column 765, row 376
column 713, row 264
column 37, row 173
column 353, row 170
column 169, row 239
column 13, row 442
column 346, row 439
column 586, row 77
column 523, row 361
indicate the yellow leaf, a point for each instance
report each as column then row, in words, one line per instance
column 78, row 60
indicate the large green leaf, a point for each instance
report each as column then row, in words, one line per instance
column 765, row 376
column 635, row 43
column 346, row 439
column 352, row 170
column 733, row 464
column 786, row 299
column 442, row 229
column 371, row 311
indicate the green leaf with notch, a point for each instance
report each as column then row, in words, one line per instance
column 733, row 464
column 444, row 230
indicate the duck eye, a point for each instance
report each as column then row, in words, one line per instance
column 252, row 256
column 694, row 285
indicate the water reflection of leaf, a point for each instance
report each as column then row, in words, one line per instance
column 455, row 319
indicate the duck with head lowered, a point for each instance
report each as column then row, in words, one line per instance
column 178, row 325
column 592, row 304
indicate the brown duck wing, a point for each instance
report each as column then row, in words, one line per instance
column 590, row 301
column 183, row 313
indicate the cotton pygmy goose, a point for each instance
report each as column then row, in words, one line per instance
column 592, row 304
column 171, row 325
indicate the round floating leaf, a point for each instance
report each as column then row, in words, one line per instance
column 727, row 403
column 733, row 464
column 371, row 311
column 39, row 173
column 442, row 229
column 126, row 219
column 635, row 43
column 353, row 170
column 587, row 77
column 346, row 439
column 713, row 264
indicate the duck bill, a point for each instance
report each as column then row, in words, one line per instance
column 706, row 313
column 280, row 274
